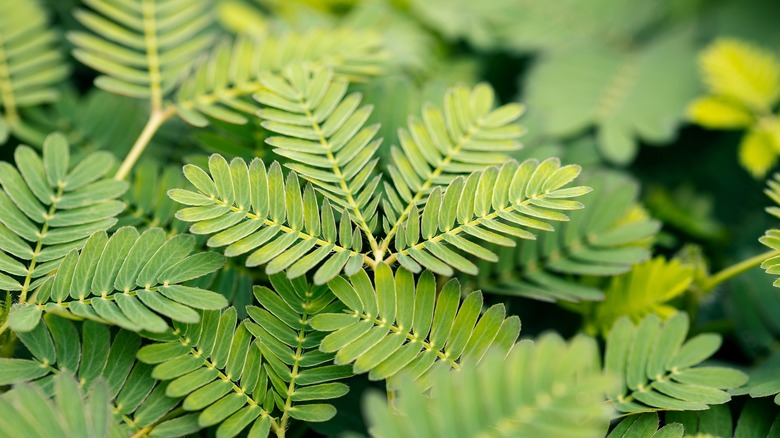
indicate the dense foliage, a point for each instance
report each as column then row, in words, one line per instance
column 330, row 217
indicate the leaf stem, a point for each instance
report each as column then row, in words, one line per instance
column 732, row 271
column 156, row 119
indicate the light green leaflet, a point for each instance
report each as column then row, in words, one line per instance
column 143, row 47
column 131, row 280
column 251, row 209
column 31, row 64
column 394, row 329
column 646, row 425
column 257, row 373
column 353, row 55
column 49, row 206
column 492, row 205
column 72, row 411
column 657, row 367
column 544, row 389
column 605, row 238
column 97, row 358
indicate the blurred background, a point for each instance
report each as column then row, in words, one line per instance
column 608, row 84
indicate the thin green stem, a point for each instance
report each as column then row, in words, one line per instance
column 156, row 119
column 39, row 245
column 732, row 271
column 282, row 429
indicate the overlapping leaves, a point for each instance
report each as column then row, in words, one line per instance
column 101, row 362
column 487, row 206
column 658, row 369
column 548, row 388
column 28, row 412
column 131, row 280
column 142, row 47
column 148, row 205
column 30, row 64
column 249, row 209
column 48, row 207
column 772, row 237
column 646, row 426
column 219, row 86
column 258, row 373
column 394, row 329
column 646, row 289
column 605, row 238
column 322, row 131
column 463, row 136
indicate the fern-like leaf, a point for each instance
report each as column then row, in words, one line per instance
column 249, row 209
column 464, row 137
column 29, row 412
column 30, row 64
column 646, row 426
column 136, row 400
column 548, row 388
column 604, row 239
column 142, row 47
column 772, row 237
column 616, row 93
column 395, row 329
column 48, row 207
column 646, row 289
column 128, row 280
column 352, row 55
column 489, row 205
column 657, row 368
column 323, row 132
column 260, row 372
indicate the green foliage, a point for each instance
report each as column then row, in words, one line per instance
column 754, row 419
column 658, row 369
column 102, row 363
column 72, row 412
column 148, row 204
column 359, row 164
column 646, row 425
column 248, row 206
column 49, row 207
column 260, row 372
column 617, row 92
column 604, row 239
column 129, row 280
column 549, row 388
column 772, row 237
column 30, row 63
column 352, row 55
column 743, row 82
column 398, row 330
column 141, row 47
column 646, row 289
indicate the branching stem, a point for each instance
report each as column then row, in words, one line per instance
column 156, row 119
